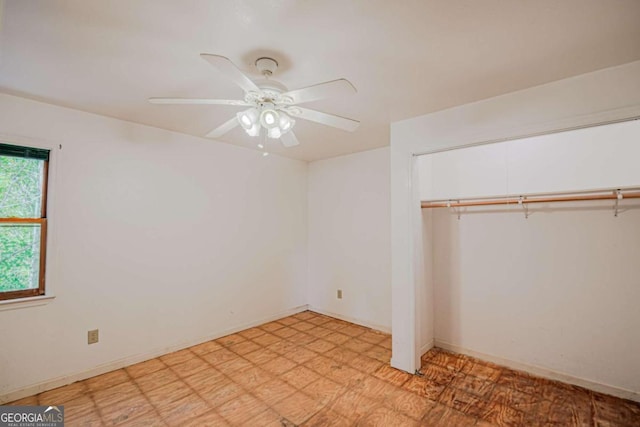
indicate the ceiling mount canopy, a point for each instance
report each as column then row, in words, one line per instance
column 273, row 108
column 266, row 66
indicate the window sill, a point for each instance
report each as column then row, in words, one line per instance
column 13, row 304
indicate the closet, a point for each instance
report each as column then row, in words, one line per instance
column 532, row 253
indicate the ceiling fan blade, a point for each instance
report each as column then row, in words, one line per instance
column 289, row 139
column 227, row 68
column 334, row 88
column 197, row 101
column 223, row 128
column 324, row 118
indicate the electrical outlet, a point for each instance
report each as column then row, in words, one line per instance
column 92, row 336
column 339, row 293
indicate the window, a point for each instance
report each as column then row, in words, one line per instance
column 23, row 220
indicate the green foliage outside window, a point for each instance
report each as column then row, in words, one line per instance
column 20, row 196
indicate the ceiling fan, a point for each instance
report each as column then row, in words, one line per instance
column 272, row 107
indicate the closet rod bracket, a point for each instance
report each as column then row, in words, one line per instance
column 522, row 203
column 456, row 210
column 619, row 197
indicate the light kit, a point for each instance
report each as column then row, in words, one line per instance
column 275, row 123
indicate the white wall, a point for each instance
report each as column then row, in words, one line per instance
column 349, row 241
column 556, row 291
column 601, row 96
column 424, row 285
column 600, row 157
column 159, row 240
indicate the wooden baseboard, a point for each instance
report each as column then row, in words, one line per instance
column 428, row 346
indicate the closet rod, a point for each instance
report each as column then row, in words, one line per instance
column 531, row 199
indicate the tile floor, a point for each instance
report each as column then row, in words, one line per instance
column 313, row 370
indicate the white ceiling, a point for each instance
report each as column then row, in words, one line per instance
column 406, row 57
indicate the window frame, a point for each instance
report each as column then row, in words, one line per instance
column 43, row 222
